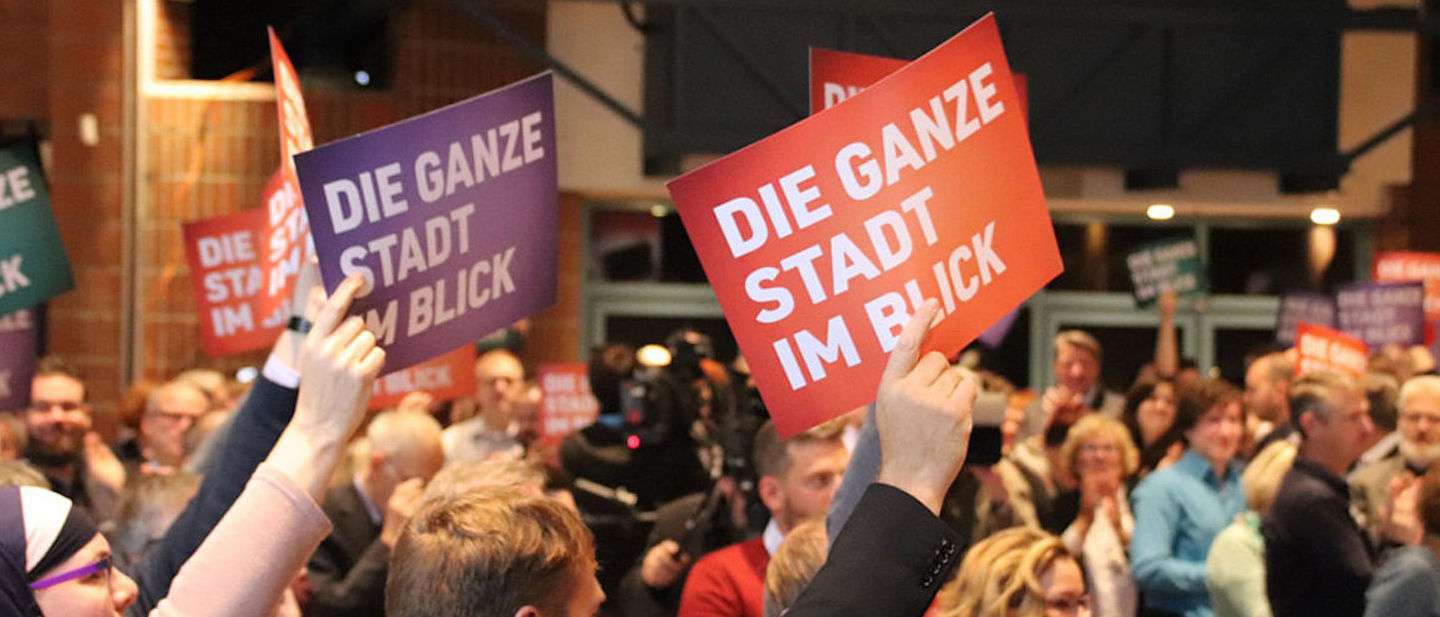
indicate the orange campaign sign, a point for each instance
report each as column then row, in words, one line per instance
column 1324, row 349
column 224, row 258
column 568, row 405
column 839, row 75
column 446, row 377
column 821, row 239
column 287, row 240
column 1411, row 266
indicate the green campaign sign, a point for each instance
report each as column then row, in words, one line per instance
column 33, row 267
column 1167, row 264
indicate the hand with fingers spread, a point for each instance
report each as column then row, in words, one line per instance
column 338, row 364
column 923, row 415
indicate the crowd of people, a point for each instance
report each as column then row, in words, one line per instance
column 1186, row 495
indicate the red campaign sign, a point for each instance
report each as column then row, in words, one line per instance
column 1324, row 349
column 224, row 255
column 288, row 242
column 820, row 240
column 295, row 136
column 568, row 405
column 839, row 75
column 446, row 377
column 1410, row 266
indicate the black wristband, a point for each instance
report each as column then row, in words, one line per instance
column 299, row 324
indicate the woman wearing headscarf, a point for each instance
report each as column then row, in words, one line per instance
column 53, row 563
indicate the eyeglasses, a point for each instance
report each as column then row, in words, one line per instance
column 103, row 565
column 66, row 406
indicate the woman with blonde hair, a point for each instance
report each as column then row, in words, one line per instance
column 1235, row 569
column 1099, row 458
column 1019, row 572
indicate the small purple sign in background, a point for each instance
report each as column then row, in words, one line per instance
column 1318, row 309
column 17, row 359
column 1383, row 313
column 451, row 215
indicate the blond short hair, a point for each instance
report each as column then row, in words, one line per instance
column 456, row 479
column 1096, row 425
column 792, row 566
column 772, row 454
column 1082, row 340
column 488, row 553
column 1000, row 575
column 1262, row 476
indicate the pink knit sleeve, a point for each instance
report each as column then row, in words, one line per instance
column 252, row 555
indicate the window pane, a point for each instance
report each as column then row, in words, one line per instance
column 631, row 245
column 1275, row 260
column 1127, row 350
column 1234, row 345
column 1094, row 253
column 1011, row 359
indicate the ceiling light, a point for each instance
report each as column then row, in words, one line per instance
column 1160, row 212
column 1325, row 216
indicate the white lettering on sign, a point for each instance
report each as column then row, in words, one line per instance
column 15, row 187
column 11, row 278
column 499, row 150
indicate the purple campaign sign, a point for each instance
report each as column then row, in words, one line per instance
column 17, row 359
column 1383, row 313
column 451, row 216
column 995, row 334
column 1295, row 308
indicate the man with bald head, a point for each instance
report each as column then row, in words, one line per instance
column 170, row 410
column 499, row 379
column 348, row 570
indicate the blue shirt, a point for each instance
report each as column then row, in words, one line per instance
column 1408, row 585
column 1178, row 512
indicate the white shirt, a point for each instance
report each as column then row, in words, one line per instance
column 472, row 441
column 772, row 537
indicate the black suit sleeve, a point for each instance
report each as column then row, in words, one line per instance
column 361, row 591
column 890, row 558
column 253, row 431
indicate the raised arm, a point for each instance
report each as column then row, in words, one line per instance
column 247, row 562
column 894, row 552
column 252, row 432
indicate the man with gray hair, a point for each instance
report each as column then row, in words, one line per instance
column 1317, row 559
column 348, row 570
column 1376, row 487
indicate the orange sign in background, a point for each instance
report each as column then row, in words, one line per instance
column 1412, row 266
column 1324, row 349
column 568, row 405
column 820, row 240
column 446, row 377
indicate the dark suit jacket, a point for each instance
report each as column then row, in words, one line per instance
column 253, row 431
column 348, row 569
column 889, row 559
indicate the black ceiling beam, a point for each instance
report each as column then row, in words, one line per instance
column 1188, row 12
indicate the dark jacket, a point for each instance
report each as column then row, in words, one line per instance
column 253, row 430
column 1317, row 559
column 348, row 569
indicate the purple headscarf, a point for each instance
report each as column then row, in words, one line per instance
column 39, row 530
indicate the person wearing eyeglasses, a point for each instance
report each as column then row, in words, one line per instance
column 1374, row 487
column 54, row 563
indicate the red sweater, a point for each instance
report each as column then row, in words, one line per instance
column 729, row 582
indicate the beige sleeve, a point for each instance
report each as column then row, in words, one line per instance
column 252, row 555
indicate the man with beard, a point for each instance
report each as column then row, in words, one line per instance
column 798, row 478
column 1377, row 488
column 58, row 425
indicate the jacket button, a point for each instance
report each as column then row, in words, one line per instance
column 927, row 581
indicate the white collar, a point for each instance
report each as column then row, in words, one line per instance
column 772, row 536
column 376, row 516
